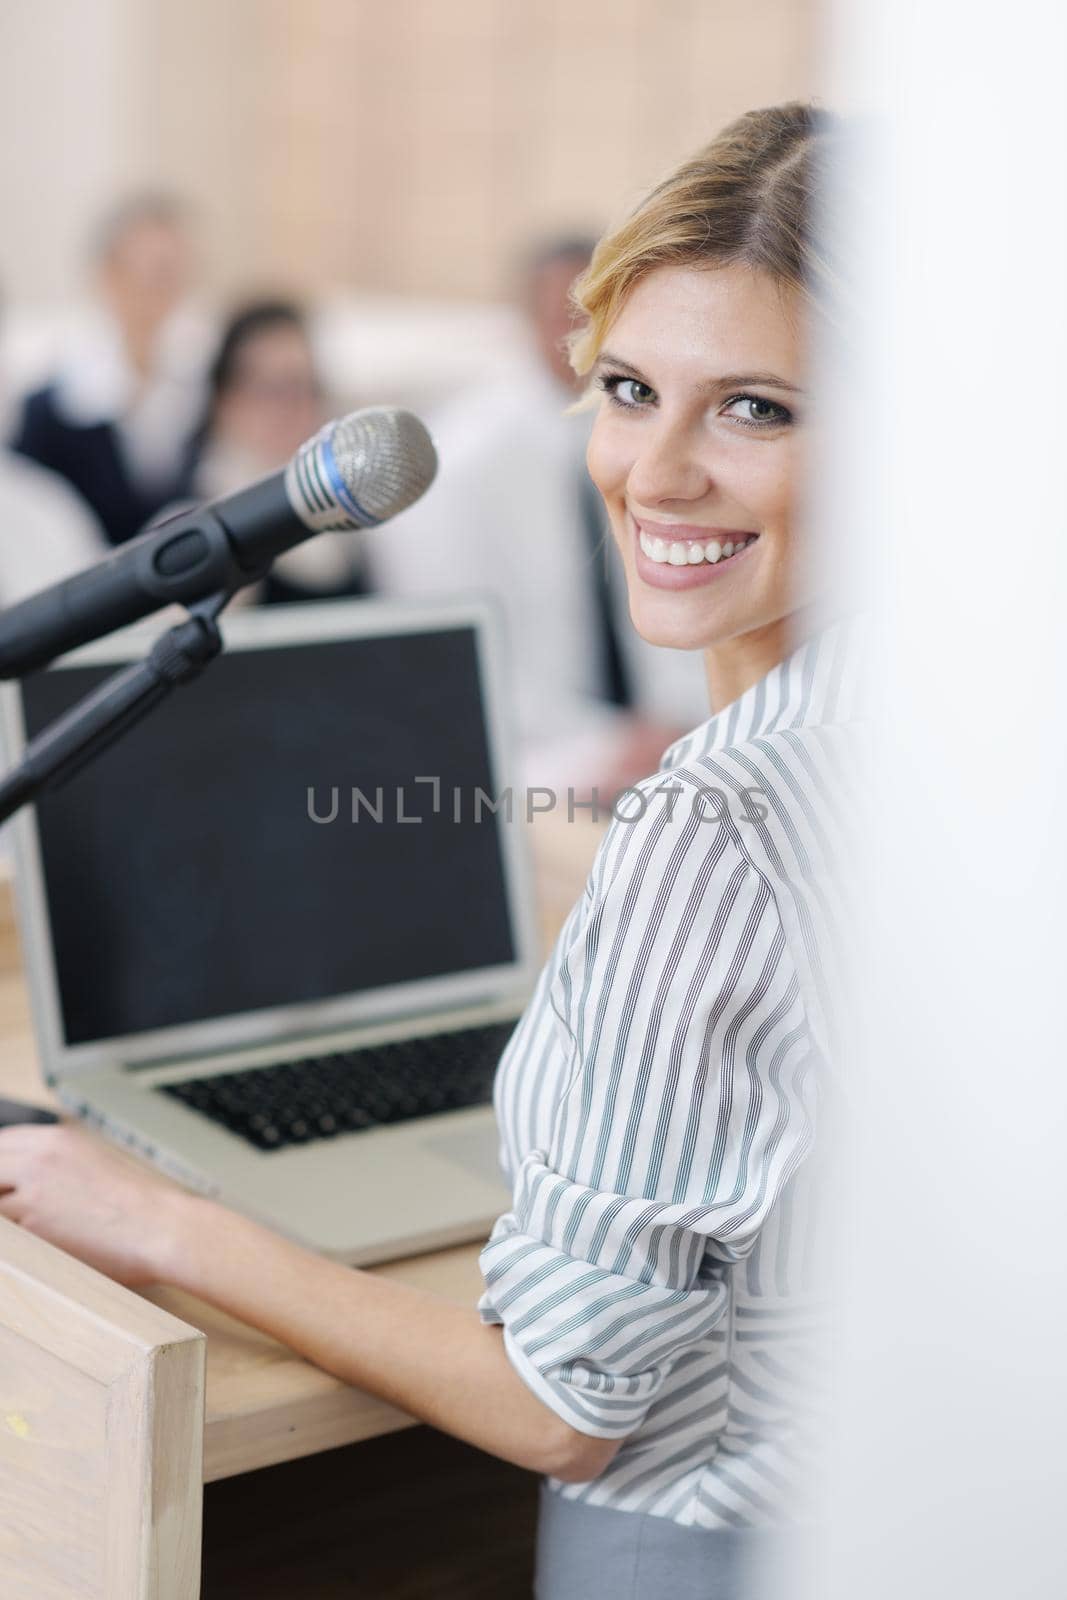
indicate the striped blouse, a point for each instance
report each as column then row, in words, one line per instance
column 657, row 1105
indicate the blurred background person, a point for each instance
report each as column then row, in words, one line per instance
column 265, row 398
column 46, row 529
column 596, row 706
column 115, row 417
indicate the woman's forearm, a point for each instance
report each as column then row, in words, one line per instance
column 430, row 1357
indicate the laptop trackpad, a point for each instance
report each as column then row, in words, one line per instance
column 473, row 1149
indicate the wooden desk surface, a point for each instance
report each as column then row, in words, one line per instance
column 264, row 1403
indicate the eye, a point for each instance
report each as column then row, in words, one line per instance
column 756, row 412
column 630, row 393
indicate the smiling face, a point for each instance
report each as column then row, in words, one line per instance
column 696, row 451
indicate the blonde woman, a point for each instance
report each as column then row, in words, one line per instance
column 645, row 1297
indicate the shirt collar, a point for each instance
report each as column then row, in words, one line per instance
column 823, row 680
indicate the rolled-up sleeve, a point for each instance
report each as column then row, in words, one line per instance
column 676, row 1022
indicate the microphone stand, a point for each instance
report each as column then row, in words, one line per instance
column 102, row 717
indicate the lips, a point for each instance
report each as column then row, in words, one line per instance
column 689, row 530
column 682, row 552
column 676, row 555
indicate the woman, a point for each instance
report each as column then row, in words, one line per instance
column 264, row 400
column 646, row 1297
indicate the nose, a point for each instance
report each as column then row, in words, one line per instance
column 669, row 465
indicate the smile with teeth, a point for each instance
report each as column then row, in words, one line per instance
column 690, row 552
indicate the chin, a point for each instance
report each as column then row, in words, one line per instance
column 663, row 622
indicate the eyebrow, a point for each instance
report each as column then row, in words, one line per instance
column 728, row 380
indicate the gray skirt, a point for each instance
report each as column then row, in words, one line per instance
column 589, row 1552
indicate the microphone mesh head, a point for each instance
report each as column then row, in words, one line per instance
column 385, row 457
column 361, row 470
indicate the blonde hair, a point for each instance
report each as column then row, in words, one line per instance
column 747, row 197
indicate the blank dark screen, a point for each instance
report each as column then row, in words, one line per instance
column 186, row 879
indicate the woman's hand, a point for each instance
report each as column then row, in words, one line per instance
column 432, row 1358
column 93, row 1201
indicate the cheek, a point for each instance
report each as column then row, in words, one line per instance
column 765, row 481
column 608, row 456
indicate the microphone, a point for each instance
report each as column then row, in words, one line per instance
column 354, row 473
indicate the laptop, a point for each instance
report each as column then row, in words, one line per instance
column 278, row 935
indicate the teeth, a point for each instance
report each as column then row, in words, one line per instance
column 690, row 552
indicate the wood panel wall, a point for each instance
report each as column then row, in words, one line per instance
column 416, row 146
column 404, row 145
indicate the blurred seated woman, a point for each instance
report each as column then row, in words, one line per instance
column 265, row 399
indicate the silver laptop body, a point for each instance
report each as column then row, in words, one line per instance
column 406, row 916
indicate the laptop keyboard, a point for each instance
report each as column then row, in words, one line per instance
column 318, row 1097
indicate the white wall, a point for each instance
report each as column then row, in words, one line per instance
column 948, row 1474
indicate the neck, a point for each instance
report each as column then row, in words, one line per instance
column 139, row 329
column 139, row 340
column 736, row 664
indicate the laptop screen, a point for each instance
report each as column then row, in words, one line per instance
column 261, row 840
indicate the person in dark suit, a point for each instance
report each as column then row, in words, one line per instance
column 115, row 418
